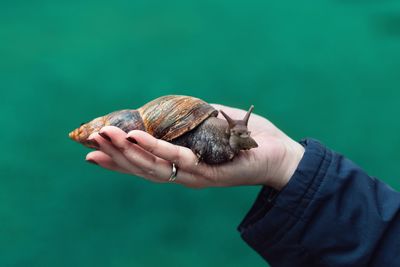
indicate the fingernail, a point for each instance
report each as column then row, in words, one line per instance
column 131, row 139
column 105, row 136
column 93, row 143
column 92, row 161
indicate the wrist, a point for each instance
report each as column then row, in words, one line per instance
column 289, row 162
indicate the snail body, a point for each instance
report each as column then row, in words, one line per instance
column 181, row 120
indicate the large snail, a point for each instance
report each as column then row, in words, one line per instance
column 181, row 120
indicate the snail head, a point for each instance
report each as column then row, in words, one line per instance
column 239, row 135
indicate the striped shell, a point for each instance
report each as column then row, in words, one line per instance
column 169, row 117
column 166, row 118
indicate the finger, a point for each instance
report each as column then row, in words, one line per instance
column 110, row 158
column 102, row 159
column 150, row 166
column 119, row 159
column 181, row 156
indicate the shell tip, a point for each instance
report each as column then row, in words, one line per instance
column 72, row 135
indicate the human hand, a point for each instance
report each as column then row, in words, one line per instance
column 272, row 163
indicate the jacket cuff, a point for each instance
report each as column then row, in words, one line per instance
column 274, row 213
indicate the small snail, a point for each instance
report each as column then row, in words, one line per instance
column 181, row 120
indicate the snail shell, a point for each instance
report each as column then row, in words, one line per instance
column 166, row 118
column 169, row 117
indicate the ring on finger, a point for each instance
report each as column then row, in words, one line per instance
column 174, row 173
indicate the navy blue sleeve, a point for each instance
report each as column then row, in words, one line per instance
column 331, row 213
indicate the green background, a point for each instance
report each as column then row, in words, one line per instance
column 322, row 69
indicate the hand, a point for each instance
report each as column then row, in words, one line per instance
column 272, row 163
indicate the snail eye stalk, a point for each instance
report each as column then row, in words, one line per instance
column 247, row 116
column 235, row 123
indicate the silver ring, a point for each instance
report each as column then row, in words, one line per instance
column 173, row 174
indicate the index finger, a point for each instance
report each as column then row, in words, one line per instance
column 181, row 156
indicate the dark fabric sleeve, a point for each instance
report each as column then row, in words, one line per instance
column 331, row 213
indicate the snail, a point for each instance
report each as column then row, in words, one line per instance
column 181, row 120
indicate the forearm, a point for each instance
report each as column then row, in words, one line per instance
column 331, row 213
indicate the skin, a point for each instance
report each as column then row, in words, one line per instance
column 272, row 163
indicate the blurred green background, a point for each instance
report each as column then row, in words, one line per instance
column 322, row 69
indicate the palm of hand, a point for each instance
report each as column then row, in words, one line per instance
column 255, row 166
